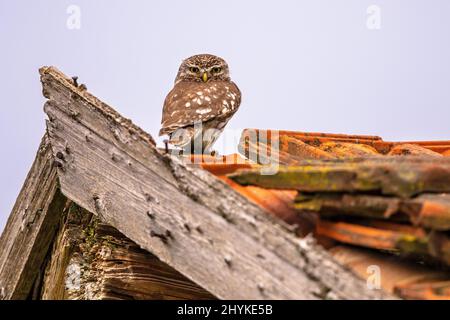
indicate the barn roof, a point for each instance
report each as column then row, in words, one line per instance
column 233, row 240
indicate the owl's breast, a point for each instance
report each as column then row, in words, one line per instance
column 191, row 102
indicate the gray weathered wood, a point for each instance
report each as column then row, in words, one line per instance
column 91, row 260
column 30, row 228
column 185, row 216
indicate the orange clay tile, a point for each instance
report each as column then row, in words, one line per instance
column 277, row 202
column 397, row 276
column 412, row 149
column 317, row 139
column 347, row 149
column 428, row 290
column 359, row 235
column 285, row 155
column 298, row 148
column 425, row 210
column 222, row 165
column 432, row 245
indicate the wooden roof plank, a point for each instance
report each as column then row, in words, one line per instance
column 31, row 226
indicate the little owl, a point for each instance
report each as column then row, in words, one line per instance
column 200, row 104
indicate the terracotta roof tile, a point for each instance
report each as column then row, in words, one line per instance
column 359, row 190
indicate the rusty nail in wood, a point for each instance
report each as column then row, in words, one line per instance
column 150, row 215
column 199, row 229
column 261, row 288
column 75, row 81
column 60, row 155
column 227, row 260
column 97, row 204
column 163, row 236
column 59, row 165
column 149, row 197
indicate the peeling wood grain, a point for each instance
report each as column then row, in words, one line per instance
column 91, row 260
column 30, row 227
column 197, row 224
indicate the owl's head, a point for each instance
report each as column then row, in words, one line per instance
column 203, row 68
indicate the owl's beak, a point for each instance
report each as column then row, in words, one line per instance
column 205, row 77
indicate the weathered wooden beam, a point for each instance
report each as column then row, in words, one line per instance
column 426, row 210
column 31, row 226
column 401, row 176
column 184, row 215
column 91, row 260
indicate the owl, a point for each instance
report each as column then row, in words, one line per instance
column 200, row 104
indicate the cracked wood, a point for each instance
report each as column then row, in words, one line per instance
column 30, row 228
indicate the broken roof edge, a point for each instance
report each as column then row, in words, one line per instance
column 252, row 250
column 31, row 226
column 50, row 72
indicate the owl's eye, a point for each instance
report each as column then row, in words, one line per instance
column 194, row 69
column 216, row 69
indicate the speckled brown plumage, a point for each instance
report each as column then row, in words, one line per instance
column 200, row 104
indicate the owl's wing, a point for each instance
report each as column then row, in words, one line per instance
column 190, row 102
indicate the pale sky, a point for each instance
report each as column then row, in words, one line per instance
column 301, row 65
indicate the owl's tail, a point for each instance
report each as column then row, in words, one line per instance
column 182, row 138
column 192, row 140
